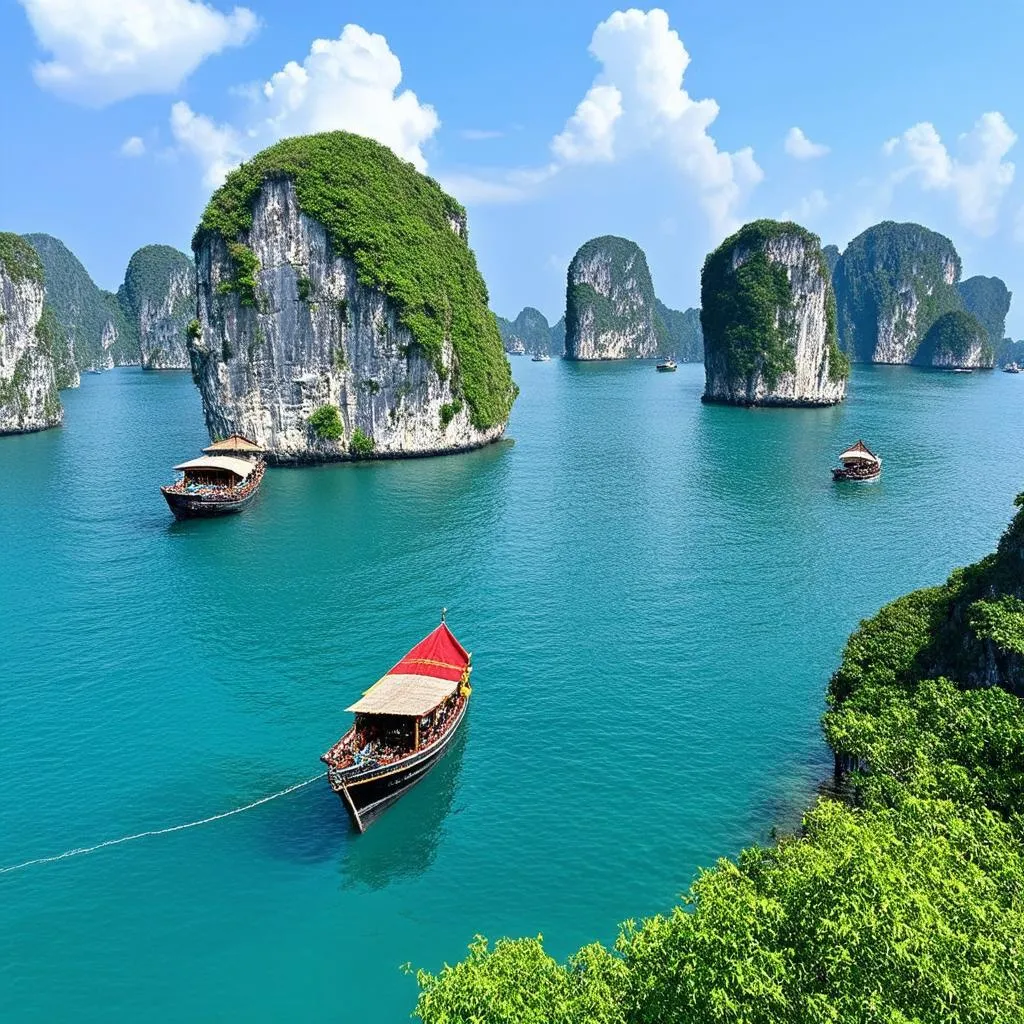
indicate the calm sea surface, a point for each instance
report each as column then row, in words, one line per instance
column 655, row 593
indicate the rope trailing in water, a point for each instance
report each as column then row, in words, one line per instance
column 81, row 850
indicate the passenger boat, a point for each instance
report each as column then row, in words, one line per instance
column 542, row 357
column 1011, row 368
column 403, row 725
column 859, row 465
column 223, row 481
column 668, row 366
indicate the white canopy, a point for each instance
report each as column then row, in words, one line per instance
column 240, row 467
column 858, row 453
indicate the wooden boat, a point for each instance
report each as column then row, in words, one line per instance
column 668, row 366
column 859, row 465
column 403, row 725
column 223, row 481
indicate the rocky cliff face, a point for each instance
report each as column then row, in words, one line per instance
column 892, row 283
column 610, row 306
column 296, row 348
column 956, row 339
column 768, row 315
column 988, row 299
column 684, row 341
column 28, row 385
column 159, row 294
column 528, row 334
column 98, row 332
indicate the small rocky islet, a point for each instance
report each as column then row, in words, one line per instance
column 768, row 314
column 340, row 311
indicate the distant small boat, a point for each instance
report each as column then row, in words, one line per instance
column 223, row 481
column 1011, row 368
column 542, row 357
column 669, row 366
column 92, row 369
column 403, row 726
column 963, row 369
column 859, row 465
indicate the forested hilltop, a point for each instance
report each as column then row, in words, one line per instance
column 903, row 901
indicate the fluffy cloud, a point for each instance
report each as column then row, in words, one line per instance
column 977, row 176
column 589, row 135
column 217, row 147
column 638, row 102
column 133, row 146
column 107, row 50
column 347, row 83
column 800, row 147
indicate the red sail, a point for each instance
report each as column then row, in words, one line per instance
column 439, row 655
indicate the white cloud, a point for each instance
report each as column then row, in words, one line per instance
column 977, row 176
column 504, row 187
column 217, row 147
column 347, row 83
column 808, row 208
column 589, row 135
column 638, row 102
column 107, row 50
column 133, row 146
column 800, row 147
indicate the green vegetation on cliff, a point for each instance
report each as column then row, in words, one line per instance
column 18, row 259
column 85, row 312
column 902, row 902
column 988, row 299
column 628, row 268
column 952, row 339
column 875, row 270
column 397, row 227
column 747, row 310
column 325, row 422
column 684, row 338
column 149, row 273
column 531, row 328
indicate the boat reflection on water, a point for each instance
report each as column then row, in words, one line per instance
column 404, row 842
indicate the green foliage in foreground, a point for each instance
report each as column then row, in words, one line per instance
column 396, row 226
column 325, row 422
column 903, row 903
column 747, row 310
column 18, row 259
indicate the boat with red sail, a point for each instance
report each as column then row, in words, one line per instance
column 403, row 725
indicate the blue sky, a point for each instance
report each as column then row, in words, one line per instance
column 553, row 122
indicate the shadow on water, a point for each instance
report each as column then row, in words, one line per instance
column 402, row 843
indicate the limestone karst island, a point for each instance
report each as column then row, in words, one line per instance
column 511, row 514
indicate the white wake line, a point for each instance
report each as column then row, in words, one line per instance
column 82, row 850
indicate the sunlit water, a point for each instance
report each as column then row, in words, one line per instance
column 655, row 593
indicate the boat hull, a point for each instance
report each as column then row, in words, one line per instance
column 665, row 369
column 366, row 792
column 842, row 476
column 196, row 506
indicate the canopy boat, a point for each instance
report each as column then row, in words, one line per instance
column 542, row 357
column 223, row 481
column 1011, row 368
column 859, row 464
column 668, row 366
column 403, row 725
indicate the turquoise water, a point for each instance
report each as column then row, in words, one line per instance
column 655, row 593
